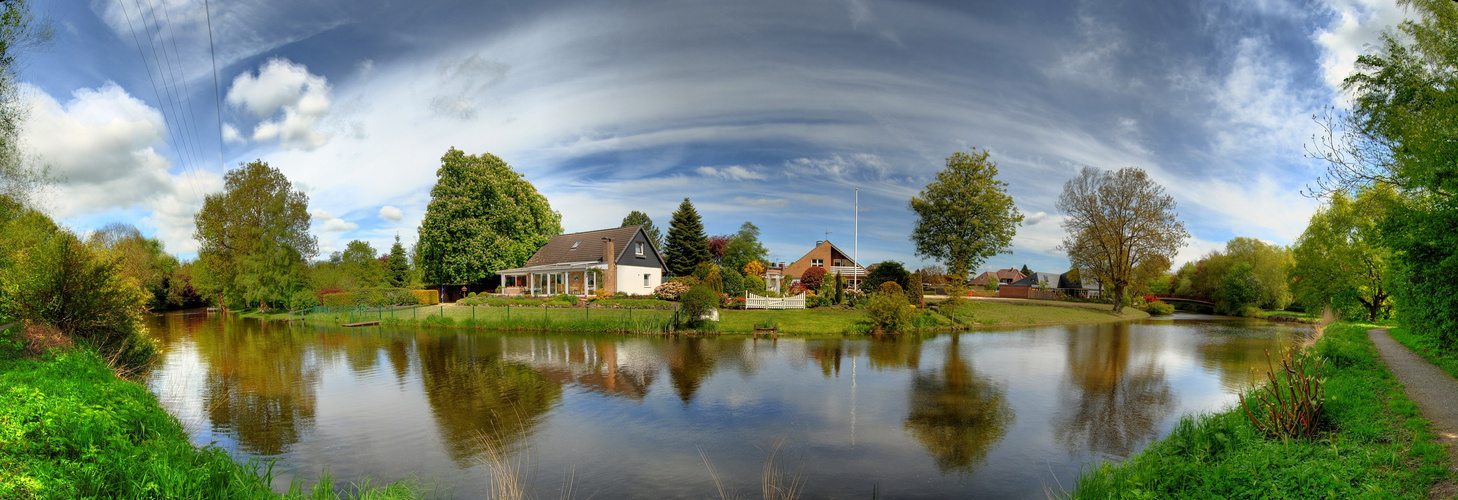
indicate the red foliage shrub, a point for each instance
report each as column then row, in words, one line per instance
column 812, row 277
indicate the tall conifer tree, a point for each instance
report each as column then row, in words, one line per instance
column 687, row 245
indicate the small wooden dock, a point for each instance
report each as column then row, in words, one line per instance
column 362, row 323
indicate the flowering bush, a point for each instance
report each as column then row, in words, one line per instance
column 796, row 288
column 671, row 290
column 727, row 301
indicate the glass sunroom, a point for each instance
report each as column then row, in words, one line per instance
column 573, row 278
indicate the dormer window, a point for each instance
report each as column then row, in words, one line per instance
column 574, row 244
column 638, row 249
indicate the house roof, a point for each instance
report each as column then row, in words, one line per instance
column 585, row 246
column 981, row 279
column 1052, row 279
column 1010, row 273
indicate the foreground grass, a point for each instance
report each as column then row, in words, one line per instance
column 69, row 428
column 1375, row 445
column 1030, row 312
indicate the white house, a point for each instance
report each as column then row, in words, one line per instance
column 621, row 259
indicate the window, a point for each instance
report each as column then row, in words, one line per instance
column 638, row 249
column 574, row 244
column 645, row 279
column 817, row 262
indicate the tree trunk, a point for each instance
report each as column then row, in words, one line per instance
column 1118, row 298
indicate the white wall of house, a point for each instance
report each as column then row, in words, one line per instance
column 630, row 279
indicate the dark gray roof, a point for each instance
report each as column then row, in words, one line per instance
column 1055, row 280
column 582, row 247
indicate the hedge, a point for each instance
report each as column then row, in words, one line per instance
column 376, row 297
column 426, row 297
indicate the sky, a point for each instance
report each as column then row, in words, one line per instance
column 769, row 112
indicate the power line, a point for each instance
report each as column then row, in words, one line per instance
column 143, row 55
column 186, row 91
column 168, row 86
column 217, row 89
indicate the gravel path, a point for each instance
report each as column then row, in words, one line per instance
column 1434, row 391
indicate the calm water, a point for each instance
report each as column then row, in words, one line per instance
column 994, row 414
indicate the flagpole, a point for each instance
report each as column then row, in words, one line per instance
column 856, row 245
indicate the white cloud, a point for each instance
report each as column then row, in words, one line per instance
column 337, row 225
column 733, row 173
column 290, row 101
column 231, row 134
column 1356, row 29
column 761, row 202
column 103, row 145
column 391, row 214
column 461, row 83
column 1034, row 218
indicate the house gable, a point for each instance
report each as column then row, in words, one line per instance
column 826, row 252
column 628, row 251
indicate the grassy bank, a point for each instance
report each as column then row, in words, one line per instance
column 69, row 428
column 1374, row 444
column 1015, row 312
column 655, row 317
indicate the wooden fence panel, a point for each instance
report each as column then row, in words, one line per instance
column 752, row 301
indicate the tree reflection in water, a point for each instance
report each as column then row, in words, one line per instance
column 957, row 415
column 260, row 384
column 1108, row 406
column 480, row 401
column 689, row 364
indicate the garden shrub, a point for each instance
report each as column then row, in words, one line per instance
column 426, row 297
column 671, row 290
column 337, row 299
column 812, row 277
column 796, row 288
column 303, row 299
column 704, row 269
column 883, row 272
column 889, row 312
column 913, row 290
column 696, row 303
column 854, row 299
column 714, row 281
column 1159, row 307
column 563, row 298
column 733, row 283
column 890, row 287
column 754, row 284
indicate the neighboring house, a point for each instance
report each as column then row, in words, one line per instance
column 1059, row 283
column 1003, row 276
column 774, row 277
column 827, row 255
column 621, row 259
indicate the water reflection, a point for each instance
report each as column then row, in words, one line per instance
column 480, row 401
column 972, row 419
column 1111, row 403
column 956, row 414
column 260, row 385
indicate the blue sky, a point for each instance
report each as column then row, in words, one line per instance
column 770, row 112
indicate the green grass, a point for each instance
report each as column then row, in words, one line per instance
column 637, row 303
column 1006, row 313
column 69, row 428
column 1376, row 445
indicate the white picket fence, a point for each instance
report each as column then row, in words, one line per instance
column 752, row 301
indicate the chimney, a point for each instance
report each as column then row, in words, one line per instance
column 609, row 280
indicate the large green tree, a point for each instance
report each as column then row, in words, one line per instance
column 744, row 248
column 483, row 217
column 1270, row 266
column 1400, row 133
column 1339, row 260
column 141, row 259
column 965, row 215
column 687, row 246
column 1122, row 228
column 636, row 218
column 254, row 237
column 361, row 264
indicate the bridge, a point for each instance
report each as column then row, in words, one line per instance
column 1186, row 299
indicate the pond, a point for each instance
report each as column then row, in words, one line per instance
column 1007, row 413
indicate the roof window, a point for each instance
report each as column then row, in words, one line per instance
column 574, row 244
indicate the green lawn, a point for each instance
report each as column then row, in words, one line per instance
column 1032, row 312
column 1374, row 445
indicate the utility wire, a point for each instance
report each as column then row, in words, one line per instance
column 186, row 92
column 166, row 84
column 143, row 55
column 217, row 89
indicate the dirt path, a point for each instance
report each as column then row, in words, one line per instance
column 1434, row 391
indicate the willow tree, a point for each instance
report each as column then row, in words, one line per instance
column 1122, row 228
column 965, row 215
column 254, row 237
column 483, row 217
